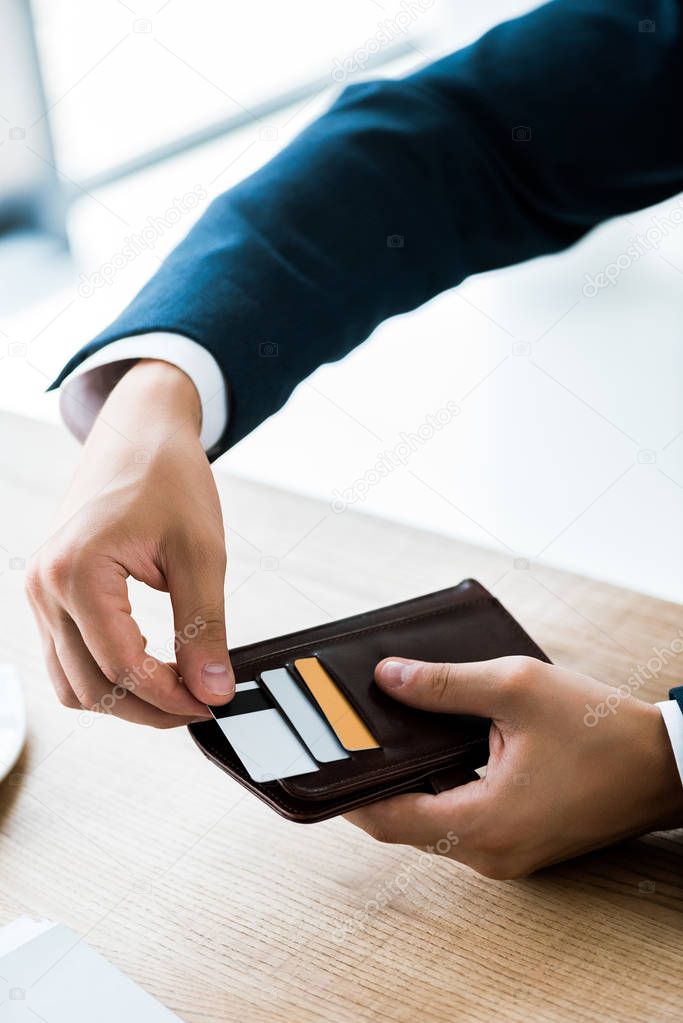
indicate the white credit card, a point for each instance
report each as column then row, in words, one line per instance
column 304, row 716
column 260, row 736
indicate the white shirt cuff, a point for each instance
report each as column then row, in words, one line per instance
column 673, row 719
column 85, row 391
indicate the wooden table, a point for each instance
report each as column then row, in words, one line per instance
column 225, row 912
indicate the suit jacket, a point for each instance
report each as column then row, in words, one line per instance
column 511, row 148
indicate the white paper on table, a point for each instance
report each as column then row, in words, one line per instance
column 47, row 972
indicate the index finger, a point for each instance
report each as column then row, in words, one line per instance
column 100, row 608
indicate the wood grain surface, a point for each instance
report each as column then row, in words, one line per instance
column 225, row 912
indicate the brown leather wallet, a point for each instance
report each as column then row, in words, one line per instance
column 420, row 751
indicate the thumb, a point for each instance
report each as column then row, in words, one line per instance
column 199, row 619
column 482, row 688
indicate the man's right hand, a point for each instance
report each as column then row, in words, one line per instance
column 143, row 503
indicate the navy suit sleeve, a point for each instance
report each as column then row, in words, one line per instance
column 511, row 148
column 677, row 694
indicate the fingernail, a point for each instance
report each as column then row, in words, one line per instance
column 394, row 674
column 218, row 679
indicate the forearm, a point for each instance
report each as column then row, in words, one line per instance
column 153, row 409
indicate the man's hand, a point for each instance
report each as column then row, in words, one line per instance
column 143, row 503
column 560, row 780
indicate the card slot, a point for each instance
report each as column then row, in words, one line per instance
column 351, row 692
column 353, row 666
column 408, row 736
column 260, row 736
column 394, row 723
column 293, row 699
column 348, row 725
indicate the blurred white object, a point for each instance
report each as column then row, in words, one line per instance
column 48, row 972
column 12, row 719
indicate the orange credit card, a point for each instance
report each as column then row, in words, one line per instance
column 349, row 728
